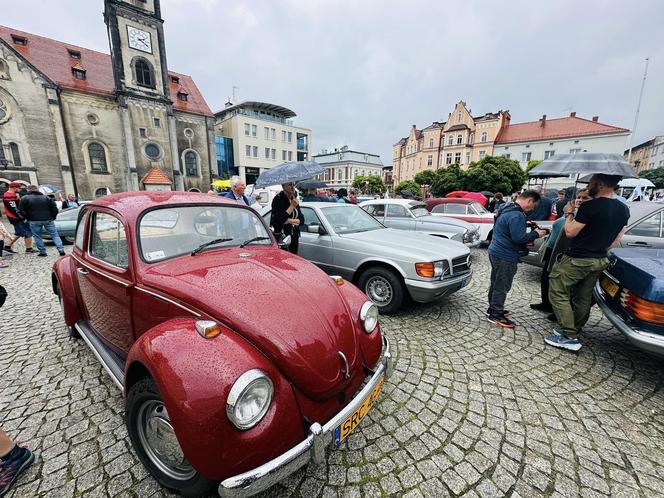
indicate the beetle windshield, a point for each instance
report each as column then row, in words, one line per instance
column 175, row 230
column 350, row 219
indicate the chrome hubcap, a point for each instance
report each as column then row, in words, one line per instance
column 160, row 443
column 379, row 290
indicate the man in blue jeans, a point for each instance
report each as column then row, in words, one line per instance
column 40, row 211
column 510, row 237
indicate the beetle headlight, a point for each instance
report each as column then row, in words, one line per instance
column 249, row 399
column 369, row 316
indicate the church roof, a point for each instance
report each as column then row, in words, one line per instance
column 155, row 176
column 55, row 59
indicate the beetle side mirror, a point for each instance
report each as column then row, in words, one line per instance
column 285, row 242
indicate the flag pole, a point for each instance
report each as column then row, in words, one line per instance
column 638, row 108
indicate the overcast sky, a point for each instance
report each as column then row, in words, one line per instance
column 360, row 72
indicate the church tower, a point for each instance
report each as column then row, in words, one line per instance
column 136, row 35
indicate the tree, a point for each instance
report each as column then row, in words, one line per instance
column 410, row 185
column 371, row 184
column 654, row 175
column 448, row 180
column 425, row 177
column 496, row 174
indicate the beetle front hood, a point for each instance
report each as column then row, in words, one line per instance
column 288, row 308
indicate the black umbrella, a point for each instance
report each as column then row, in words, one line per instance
column 406, row 194
column 486, row 193
column 582, row 164
column 289, row 172
column 311, row 185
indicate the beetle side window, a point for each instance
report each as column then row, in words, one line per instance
column 650, row 227
column 108, row 241
column 396, row 211
column 80, row 230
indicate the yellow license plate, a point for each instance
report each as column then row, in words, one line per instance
column 609, row 286
column 348, row 425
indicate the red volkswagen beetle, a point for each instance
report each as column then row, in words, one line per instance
column 240, row 362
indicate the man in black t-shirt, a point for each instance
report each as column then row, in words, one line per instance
column 598, row 225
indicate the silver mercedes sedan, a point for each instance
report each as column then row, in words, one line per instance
column 388, row 265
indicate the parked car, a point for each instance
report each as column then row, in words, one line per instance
column 386, row 264
column 240, row 362
column 630, row 293
column 645, row 228
column 467, row 210
column 65, row 224
column 409, row 214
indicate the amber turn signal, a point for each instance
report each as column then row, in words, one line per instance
column 208, row 328
column 425, row 270
column 643, row 309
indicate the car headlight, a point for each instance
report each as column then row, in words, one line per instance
column 249, row 399
column 369, row 316
column 435, row 269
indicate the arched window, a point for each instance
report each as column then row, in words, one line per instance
column 191, row 163
column 144, row 72
column 2, row 153
column 97, row 155
column 16, row 155
column 459, row 139
column 4, row 70
column 484, row 136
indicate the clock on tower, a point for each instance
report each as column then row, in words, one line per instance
column 136, row 36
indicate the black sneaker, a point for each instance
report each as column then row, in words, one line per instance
column 541, row 307
column 551, row 317
column 61, row 253
column 12, row 465
column 9, row 250
column 42, row 254
column 29, row 250
column 502, row 321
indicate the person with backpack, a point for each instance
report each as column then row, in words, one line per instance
column 40, row 211
column 510, row 237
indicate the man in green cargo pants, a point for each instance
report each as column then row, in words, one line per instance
column 598, row 225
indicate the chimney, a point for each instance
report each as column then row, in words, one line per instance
column 543, row 121
column 414, row 127
column 572, row 114
column 595, row 118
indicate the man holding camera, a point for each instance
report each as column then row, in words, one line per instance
column 598, row 225
column 510, row 237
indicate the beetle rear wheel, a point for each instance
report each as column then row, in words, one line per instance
column 156, row 444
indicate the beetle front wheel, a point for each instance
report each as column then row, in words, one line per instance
column 156, row 444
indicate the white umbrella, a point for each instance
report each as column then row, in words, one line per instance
column 636, row 182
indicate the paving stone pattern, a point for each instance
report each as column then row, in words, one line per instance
column 470, row 411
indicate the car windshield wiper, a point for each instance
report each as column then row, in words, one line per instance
column 207, row 244
column 255, row 239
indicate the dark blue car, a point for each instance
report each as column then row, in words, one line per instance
column 631, row 295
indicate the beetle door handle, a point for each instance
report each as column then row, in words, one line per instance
column 82, row 271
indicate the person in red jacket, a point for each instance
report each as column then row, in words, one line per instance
column 10, row 200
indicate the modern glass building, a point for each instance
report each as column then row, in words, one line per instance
column 225, row 163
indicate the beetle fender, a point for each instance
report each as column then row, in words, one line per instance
column 194, row 376
column 62, row 280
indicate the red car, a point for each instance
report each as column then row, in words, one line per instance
column 464, row 209
column 239, row 361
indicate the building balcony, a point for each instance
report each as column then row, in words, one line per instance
column 262, row 117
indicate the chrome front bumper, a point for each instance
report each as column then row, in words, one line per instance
column 311, row 449
column 426, row 291
column 642, row 339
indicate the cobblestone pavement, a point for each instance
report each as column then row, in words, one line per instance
column 470, row 411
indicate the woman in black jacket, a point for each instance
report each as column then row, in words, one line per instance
column 287, row 216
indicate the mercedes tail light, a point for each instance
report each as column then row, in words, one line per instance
column 642, row 309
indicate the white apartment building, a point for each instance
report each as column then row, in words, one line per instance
column 343, row 165
column 263, row 136
column 544, row 138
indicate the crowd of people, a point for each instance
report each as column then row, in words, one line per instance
column 574, row 256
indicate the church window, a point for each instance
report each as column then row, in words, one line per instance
column 191, row 163
column 153, row 151
column 74, row 54
column 16, row 155
column 4, row 112
column 19, row 40
column 4, row 70
column 79, row 74
column 144, row 73
column 157, row 122
column 143, row 132
column 97, row 158
column 2, row 154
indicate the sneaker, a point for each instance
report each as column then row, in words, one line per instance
column 31, row 249
column 505, row 312
column 560, row 341
column 541, row 307
column 551, row 317
column 502, row 321
column 42, row 254
column 12, row 465
column 61, row 253
column 9, row 250
column 3, row 264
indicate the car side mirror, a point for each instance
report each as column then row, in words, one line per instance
column 285, row 242
column 318, row 229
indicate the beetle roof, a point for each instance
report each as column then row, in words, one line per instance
column 132, row 204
